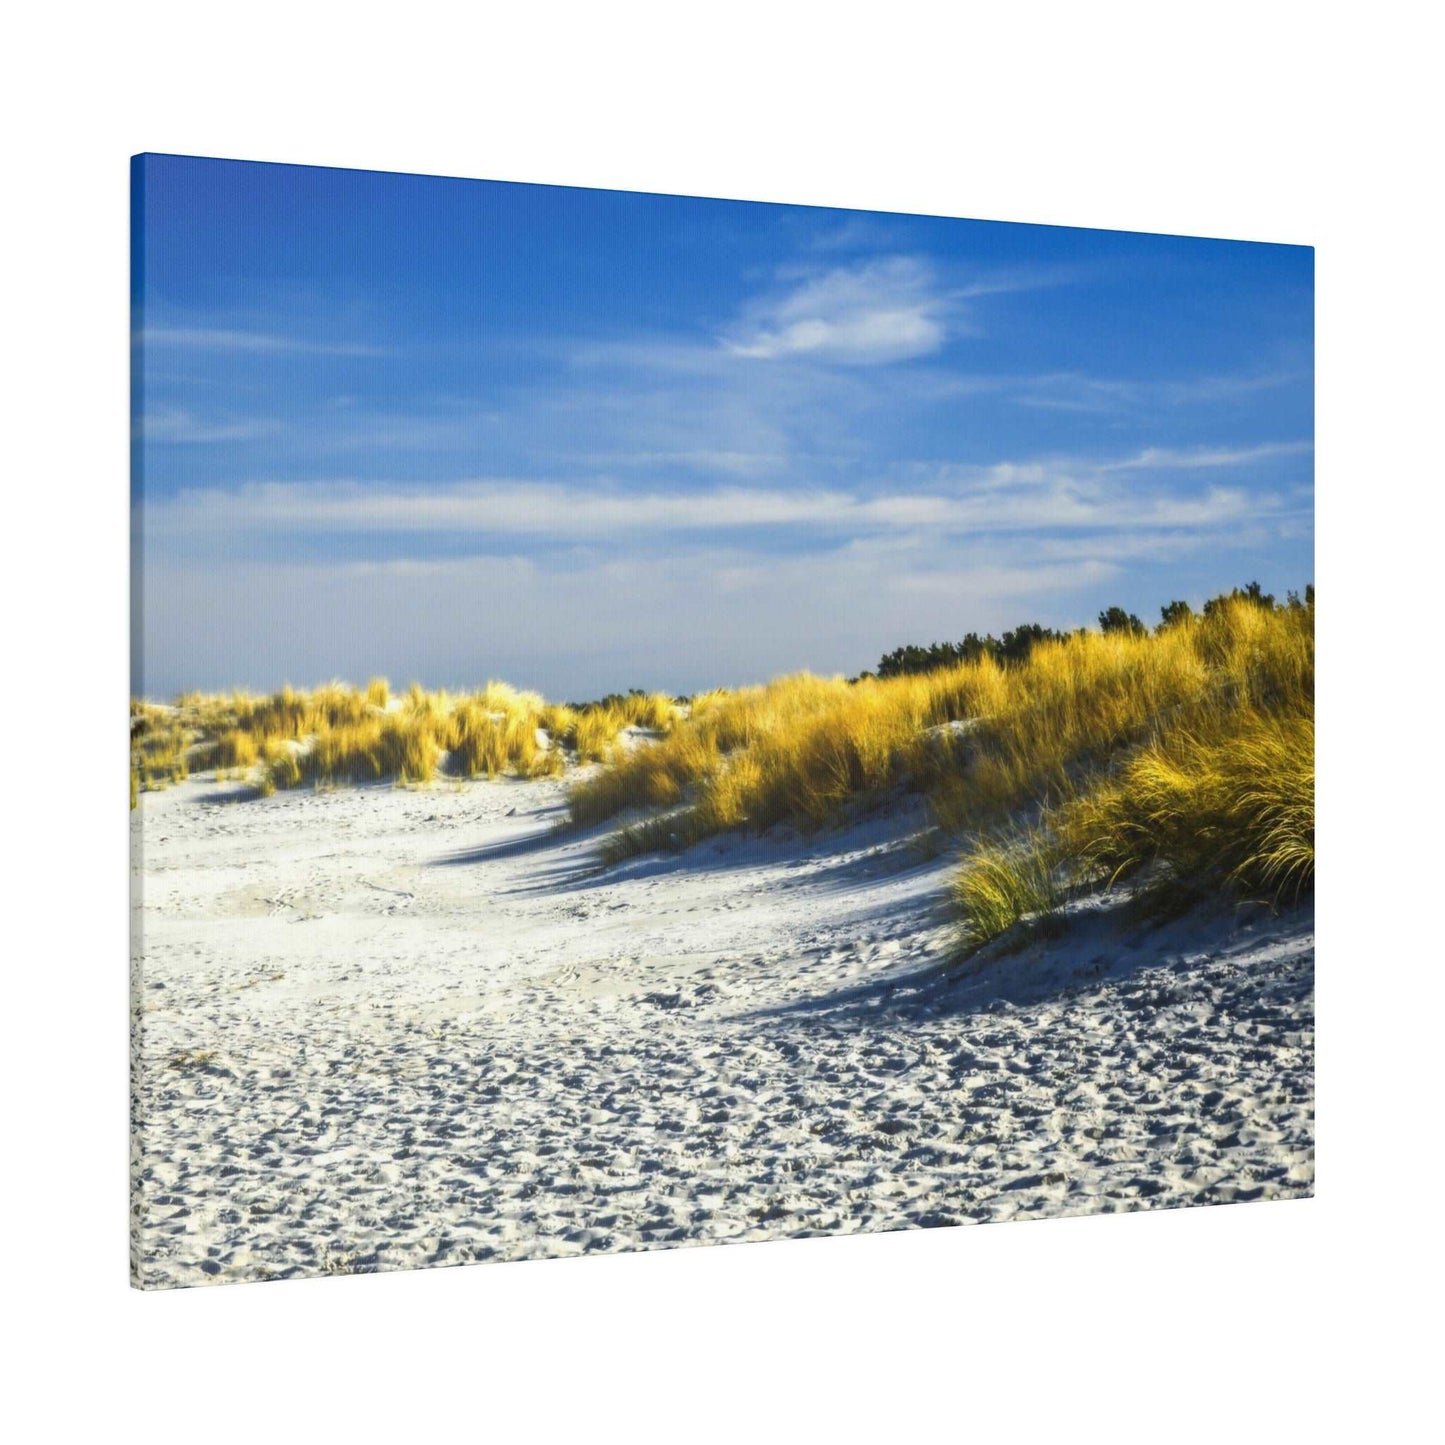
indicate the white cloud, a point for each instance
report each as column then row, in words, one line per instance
column 882, row 311
column 1072, row 391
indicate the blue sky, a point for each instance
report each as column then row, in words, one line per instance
column 449, row 430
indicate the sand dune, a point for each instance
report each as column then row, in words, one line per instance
column 380, row 1028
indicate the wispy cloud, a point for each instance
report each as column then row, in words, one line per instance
column 177, row 425
column 1073, row 391
column 1192, row 458
column 1033, row 497
column 210, row 338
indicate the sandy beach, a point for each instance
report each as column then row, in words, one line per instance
column 379, row 1028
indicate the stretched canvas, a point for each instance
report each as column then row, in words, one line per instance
column 660, row 721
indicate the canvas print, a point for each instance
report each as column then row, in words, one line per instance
column 660, row 721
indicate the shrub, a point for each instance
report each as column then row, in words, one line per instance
column 1174, row 614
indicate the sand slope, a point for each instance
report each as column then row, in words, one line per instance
column 379, row 1029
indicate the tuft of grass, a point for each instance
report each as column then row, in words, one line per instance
column 160, row 749
column 559, row 721
column 549, row 762
column 1003, row 883
column 655, row 711
column 283, row 767
column 404, row 750
column 594, row 734
column 338, row 734
column 487, row 740
column 237, row 749
column 1224, row 808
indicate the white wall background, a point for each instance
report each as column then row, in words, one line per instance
column 1263, row 121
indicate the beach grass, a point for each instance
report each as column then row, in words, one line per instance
column 336, row 734
column 1004, row 883
column 1181, row 760
column 1185, row 754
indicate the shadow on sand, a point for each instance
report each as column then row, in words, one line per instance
column 1101, row 940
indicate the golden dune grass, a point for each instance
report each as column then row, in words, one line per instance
column 593, row 730
column 1185, row 757
column 336, row 734
column 1232, row 801
column 1216, row 797
column 159, row 749
column 1199, row 737
column 1004, row 881
column 804, row 749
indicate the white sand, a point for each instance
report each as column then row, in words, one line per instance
column 379, row 1029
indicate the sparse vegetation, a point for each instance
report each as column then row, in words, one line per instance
column 158, row 749
column 337, row 734
column 1182, row 759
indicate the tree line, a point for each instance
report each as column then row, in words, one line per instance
column 1015, row 645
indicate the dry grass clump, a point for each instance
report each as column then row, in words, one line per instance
column 483, row 740
column 1003, row 883
column 283, row 765
column 592, row 729
column 159, row 748
column 650, row 777
column 405, row 750
column 701, row 749
column 1231, row 805
column 339, row 734
column 655, row 711
column 594, row 733
column 237, row 749
column 559, row 721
